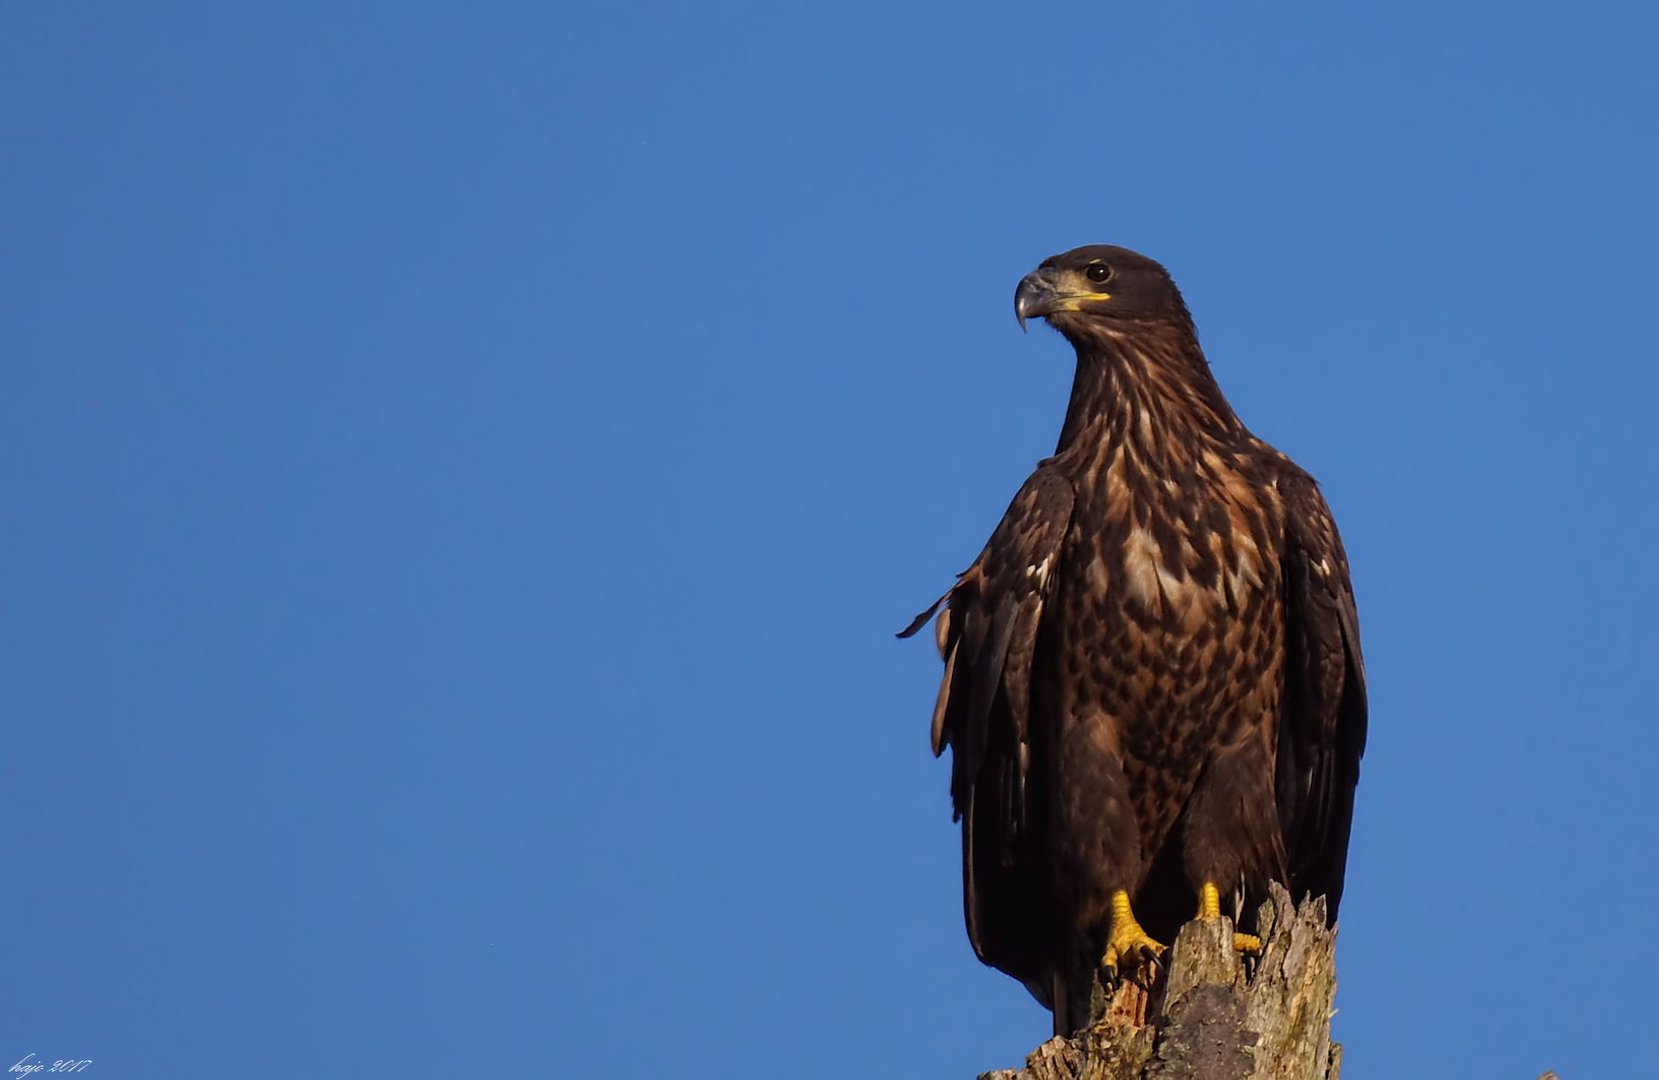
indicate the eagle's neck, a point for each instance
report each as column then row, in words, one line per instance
column 1144, row 392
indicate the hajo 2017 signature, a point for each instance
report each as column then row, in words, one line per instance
column 63, row 1065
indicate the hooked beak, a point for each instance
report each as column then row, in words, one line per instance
column 1038, row 294
column 1048, row 290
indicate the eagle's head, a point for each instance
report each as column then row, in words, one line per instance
column 1097, row 286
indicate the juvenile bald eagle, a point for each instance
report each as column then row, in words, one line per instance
column 1153, row 689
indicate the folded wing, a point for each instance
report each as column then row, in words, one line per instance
column 1322, row 730
column 989, row 633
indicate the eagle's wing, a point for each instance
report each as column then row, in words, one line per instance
column 1322, row 731
column 987, row 635
column 988, row 631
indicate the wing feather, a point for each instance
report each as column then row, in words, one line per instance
column 988, row 632
column 988, row 629
column 1323, row 729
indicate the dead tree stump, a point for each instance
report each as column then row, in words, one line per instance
column 1206, row 1018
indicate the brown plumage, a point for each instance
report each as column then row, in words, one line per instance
column 1153, row 677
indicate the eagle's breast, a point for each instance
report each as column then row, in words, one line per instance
column 1174, row 619
column 1178, row 542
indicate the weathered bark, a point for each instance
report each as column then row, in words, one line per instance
column 1206, row 1018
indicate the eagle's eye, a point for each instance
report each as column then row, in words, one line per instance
column 1099, row 273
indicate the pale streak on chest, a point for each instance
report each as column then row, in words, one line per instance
column 1164, row 583
column 1159, row 585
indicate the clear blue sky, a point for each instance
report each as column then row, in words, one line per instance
column 463, row 473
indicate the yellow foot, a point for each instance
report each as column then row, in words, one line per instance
column 1209, row 907
column 1128, row 942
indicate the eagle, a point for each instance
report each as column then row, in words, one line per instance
column 1153, row 691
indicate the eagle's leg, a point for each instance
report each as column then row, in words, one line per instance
column 1127, row 941
column 1209, row 907
column 1098, row 840
column 1230, row 829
